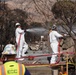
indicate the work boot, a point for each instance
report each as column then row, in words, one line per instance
column 26, row 52
column 24, row 55
column 21, row 59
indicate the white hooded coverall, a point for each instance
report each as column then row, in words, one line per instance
column 21, row 44
column 54, row 38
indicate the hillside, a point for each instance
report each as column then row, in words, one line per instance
column 38, row 10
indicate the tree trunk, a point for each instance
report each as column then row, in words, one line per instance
column 75, row 50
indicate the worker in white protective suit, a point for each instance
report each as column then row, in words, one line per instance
column 54, row 38
column 22, row 46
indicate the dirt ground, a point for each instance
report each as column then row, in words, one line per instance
column 40, row 71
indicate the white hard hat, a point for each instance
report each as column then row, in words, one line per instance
column 9, row 49
column 17, row 24
column 54, row 26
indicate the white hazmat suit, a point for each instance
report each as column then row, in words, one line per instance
column 54, row 38
column 22, row 46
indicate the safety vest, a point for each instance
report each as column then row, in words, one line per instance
column 12, row 68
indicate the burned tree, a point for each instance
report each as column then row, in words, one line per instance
column 7, row 22
column 65, row 12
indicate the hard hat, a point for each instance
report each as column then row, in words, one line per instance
column 17, row 24
column 9, row 49
column 54, row 27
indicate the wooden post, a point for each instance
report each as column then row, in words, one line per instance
column 55, row 72
column 67, row 64
column 62, row 68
